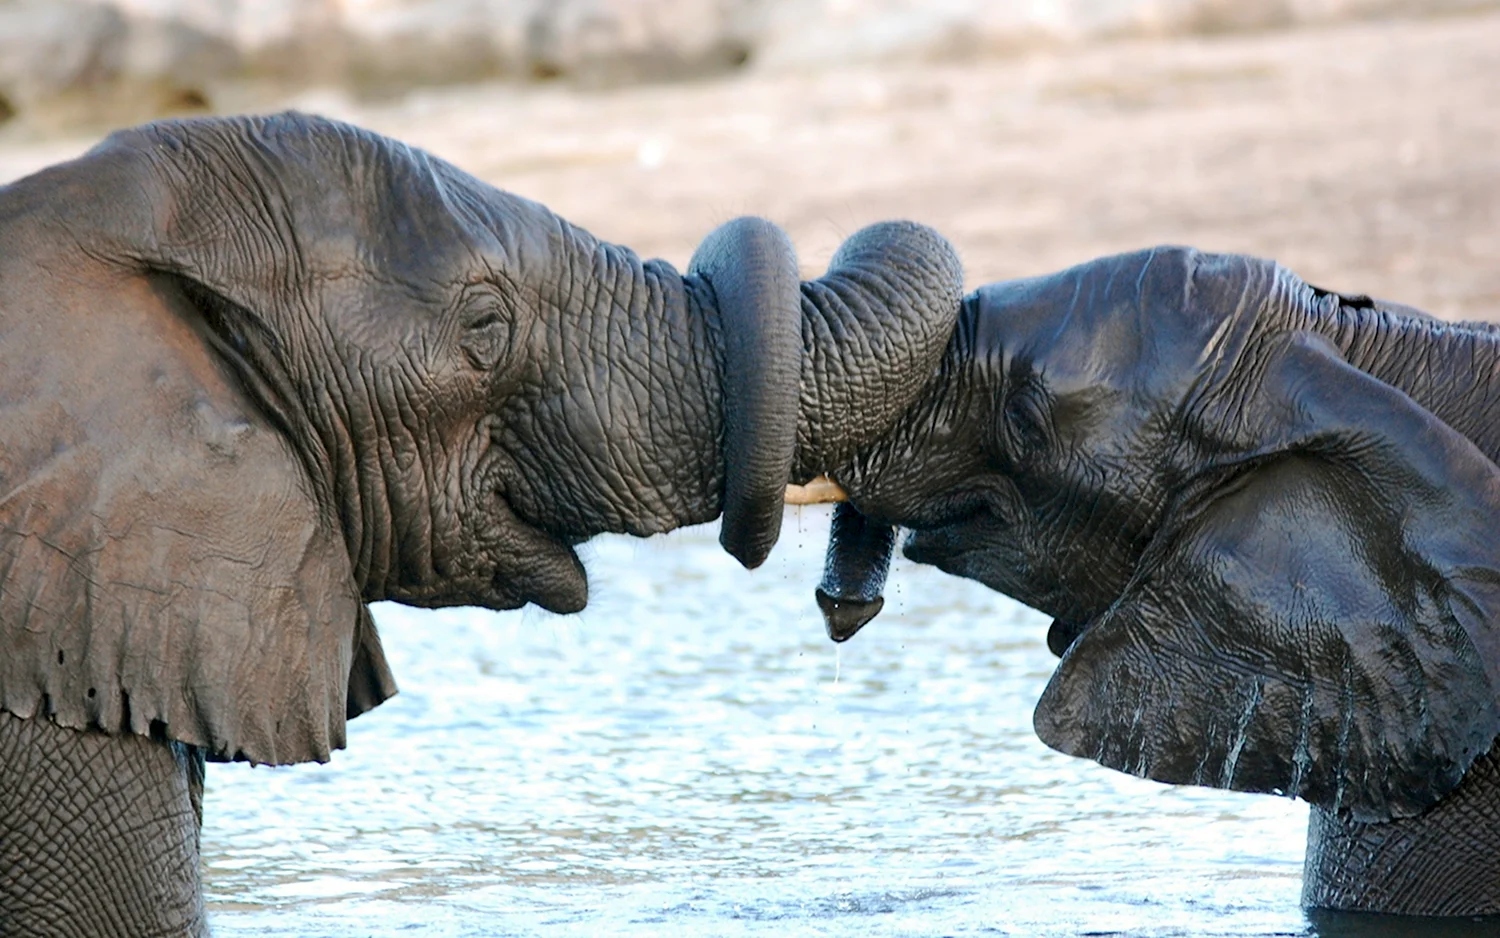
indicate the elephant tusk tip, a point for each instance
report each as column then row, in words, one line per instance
column 820, row 491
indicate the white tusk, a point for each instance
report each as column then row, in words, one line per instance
column 820, row 491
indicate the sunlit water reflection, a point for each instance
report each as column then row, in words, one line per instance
column 692, row 756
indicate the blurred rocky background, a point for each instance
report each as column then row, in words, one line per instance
column 1357, row 141
column 70, row 61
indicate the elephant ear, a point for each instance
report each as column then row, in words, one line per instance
column 752, row 268
column 164, row 569
column 1321, row 622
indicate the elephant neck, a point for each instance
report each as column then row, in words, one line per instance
column 1450, row 369
column 622, row 430
column 1443, row 862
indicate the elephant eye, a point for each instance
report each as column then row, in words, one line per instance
column 486, row 330
column 1024, row 424
column 485, row 321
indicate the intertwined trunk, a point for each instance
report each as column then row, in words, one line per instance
column 874, row 329
column 656, row 358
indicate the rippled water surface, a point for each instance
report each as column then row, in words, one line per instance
column 692, row 757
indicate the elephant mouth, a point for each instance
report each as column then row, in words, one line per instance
column 956, row 550
column 505, row 561
column 1063, row 633
column 529, row 564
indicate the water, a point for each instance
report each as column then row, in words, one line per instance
column 692, row 757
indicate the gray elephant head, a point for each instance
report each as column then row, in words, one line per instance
column 259, row 372
column 1262, row 516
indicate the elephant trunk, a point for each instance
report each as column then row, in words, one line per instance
column 709, row 392
column 673, row 398
column 859, row 556
column 874, row 329
column 753, row 271
column 871, row 331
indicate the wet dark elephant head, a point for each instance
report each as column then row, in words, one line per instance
column 1260, row 514
column 259, row 372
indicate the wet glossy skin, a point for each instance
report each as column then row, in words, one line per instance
column 1259, row 513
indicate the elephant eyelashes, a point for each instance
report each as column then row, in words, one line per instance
column 485, row 338
column 223, row 316
column 1023, row 423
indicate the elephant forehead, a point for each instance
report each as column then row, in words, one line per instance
column 1145, row 321
column 341, row 197
column 1089, row 319
column 408, row 217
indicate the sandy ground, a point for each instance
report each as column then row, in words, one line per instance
column 1364, row 156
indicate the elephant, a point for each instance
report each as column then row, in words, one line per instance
column 1263, row 517
column 259, row 372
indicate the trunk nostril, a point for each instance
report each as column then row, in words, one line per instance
column 859, row 557
column 844, row 617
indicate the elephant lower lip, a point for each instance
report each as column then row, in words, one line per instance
column 931, row 549
column 557, row 584
column 529, row 564
column 1062, row 634
column 563, row 605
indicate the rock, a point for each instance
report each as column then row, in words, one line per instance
column 813, row 33
column 599, row 41
column 118, row 61
column 90, row 61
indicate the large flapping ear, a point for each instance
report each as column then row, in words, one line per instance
column 1324, row 622
column 164, row 568
column 752, row 268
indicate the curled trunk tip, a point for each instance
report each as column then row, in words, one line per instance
column 854, row 572
column 750, row 264
column 873, row 330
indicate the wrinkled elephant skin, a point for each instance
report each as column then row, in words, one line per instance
column 256, row 373
column 1262, row 516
